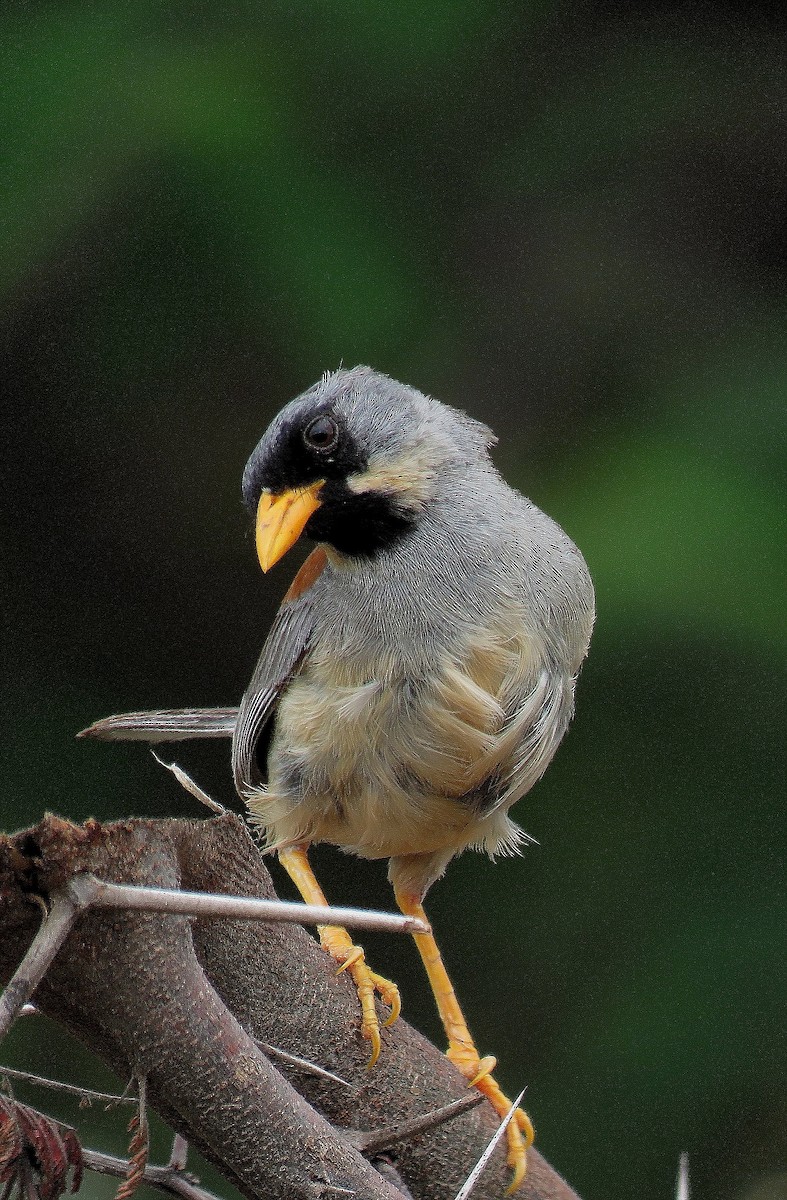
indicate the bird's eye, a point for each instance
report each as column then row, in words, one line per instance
column 321, row 434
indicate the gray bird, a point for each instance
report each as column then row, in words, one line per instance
column 420, row 672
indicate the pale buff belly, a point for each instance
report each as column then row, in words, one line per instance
column 389, row 768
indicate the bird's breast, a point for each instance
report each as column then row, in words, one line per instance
column 385, row 761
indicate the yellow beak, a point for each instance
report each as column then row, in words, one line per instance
column 281, row 520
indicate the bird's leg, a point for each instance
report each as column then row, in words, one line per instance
column 340, row 946
column 461, row 1047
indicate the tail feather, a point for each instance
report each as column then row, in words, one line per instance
column 166, row 725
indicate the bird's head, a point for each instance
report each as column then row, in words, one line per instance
column 354, row 462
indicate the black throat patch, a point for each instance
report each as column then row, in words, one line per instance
column 359, row 524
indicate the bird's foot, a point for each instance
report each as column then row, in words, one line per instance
column 520, row 1134
column 367, row 984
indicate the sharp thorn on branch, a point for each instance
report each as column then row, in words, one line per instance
column 178, row 1154
column 478, row 1169
column 377, row 1140
column 303, row 1064
column 86, row 891
column 682, row 1187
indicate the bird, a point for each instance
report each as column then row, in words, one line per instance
column 420, row 672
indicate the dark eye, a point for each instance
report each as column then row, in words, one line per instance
column 321, row 434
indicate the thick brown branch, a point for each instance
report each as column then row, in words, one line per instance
column 182, row 1000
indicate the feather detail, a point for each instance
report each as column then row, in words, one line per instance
column 281, row 659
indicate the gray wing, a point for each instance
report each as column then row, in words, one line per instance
column 525, row 746
column 535, row 733
column 165, row 725
column 281, row 659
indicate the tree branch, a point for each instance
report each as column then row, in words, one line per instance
column 181, row 1000
column 56, row 1085
column 85, row 891
column 36, row 962
column 166, row 1179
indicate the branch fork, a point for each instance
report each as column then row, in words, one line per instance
column 187, row 1001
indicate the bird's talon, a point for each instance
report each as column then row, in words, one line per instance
column 367, row 982
column 389, row 994
column 485, row 1067
column 519, row 1133
column 519, row 1172
column 525, row 1126
column 356, row 955
column 373, row 1034
column 517, row 1150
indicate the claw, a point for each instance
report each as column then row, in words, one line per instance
column 485, row 1067
column 355, row 955
column 393, row 1014
column 519, row 1133
column 517, row 1147
column 478, row 1072
column 526, row 1126
column 338, row 943
column 367, row 982
column 372, row 1032
column 389, row 994
column 518, row 1166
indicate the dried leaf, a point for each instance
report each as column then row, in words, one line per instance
column 138, row 1151
column 28, row 1138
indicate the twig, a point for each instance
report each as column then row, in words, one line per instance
column 303, row 1064
column 31, row 970
column 178, row 1154
column 477, row 1170
column 164, row 1178
column 190, row 785
column 72, row 1089
column 89, row 892
column 378, row 1140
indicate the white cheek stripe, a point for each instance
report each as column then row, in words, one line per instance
column 409, row 476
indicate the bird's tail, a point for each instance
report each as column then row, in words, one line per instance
column 165, row 725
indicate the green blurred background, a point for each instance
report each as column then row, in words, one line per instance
column 570, row 220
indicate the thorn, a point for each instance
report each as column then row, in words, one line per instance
column 377, row 1140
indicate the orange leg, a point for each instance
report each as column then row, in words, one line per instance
column 340, row 946
column 461, row 1047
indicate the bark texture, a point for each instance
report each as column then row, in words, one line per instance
column 181, row 1001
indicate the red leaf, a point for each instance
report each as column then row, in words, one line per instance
column 29, row 1138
